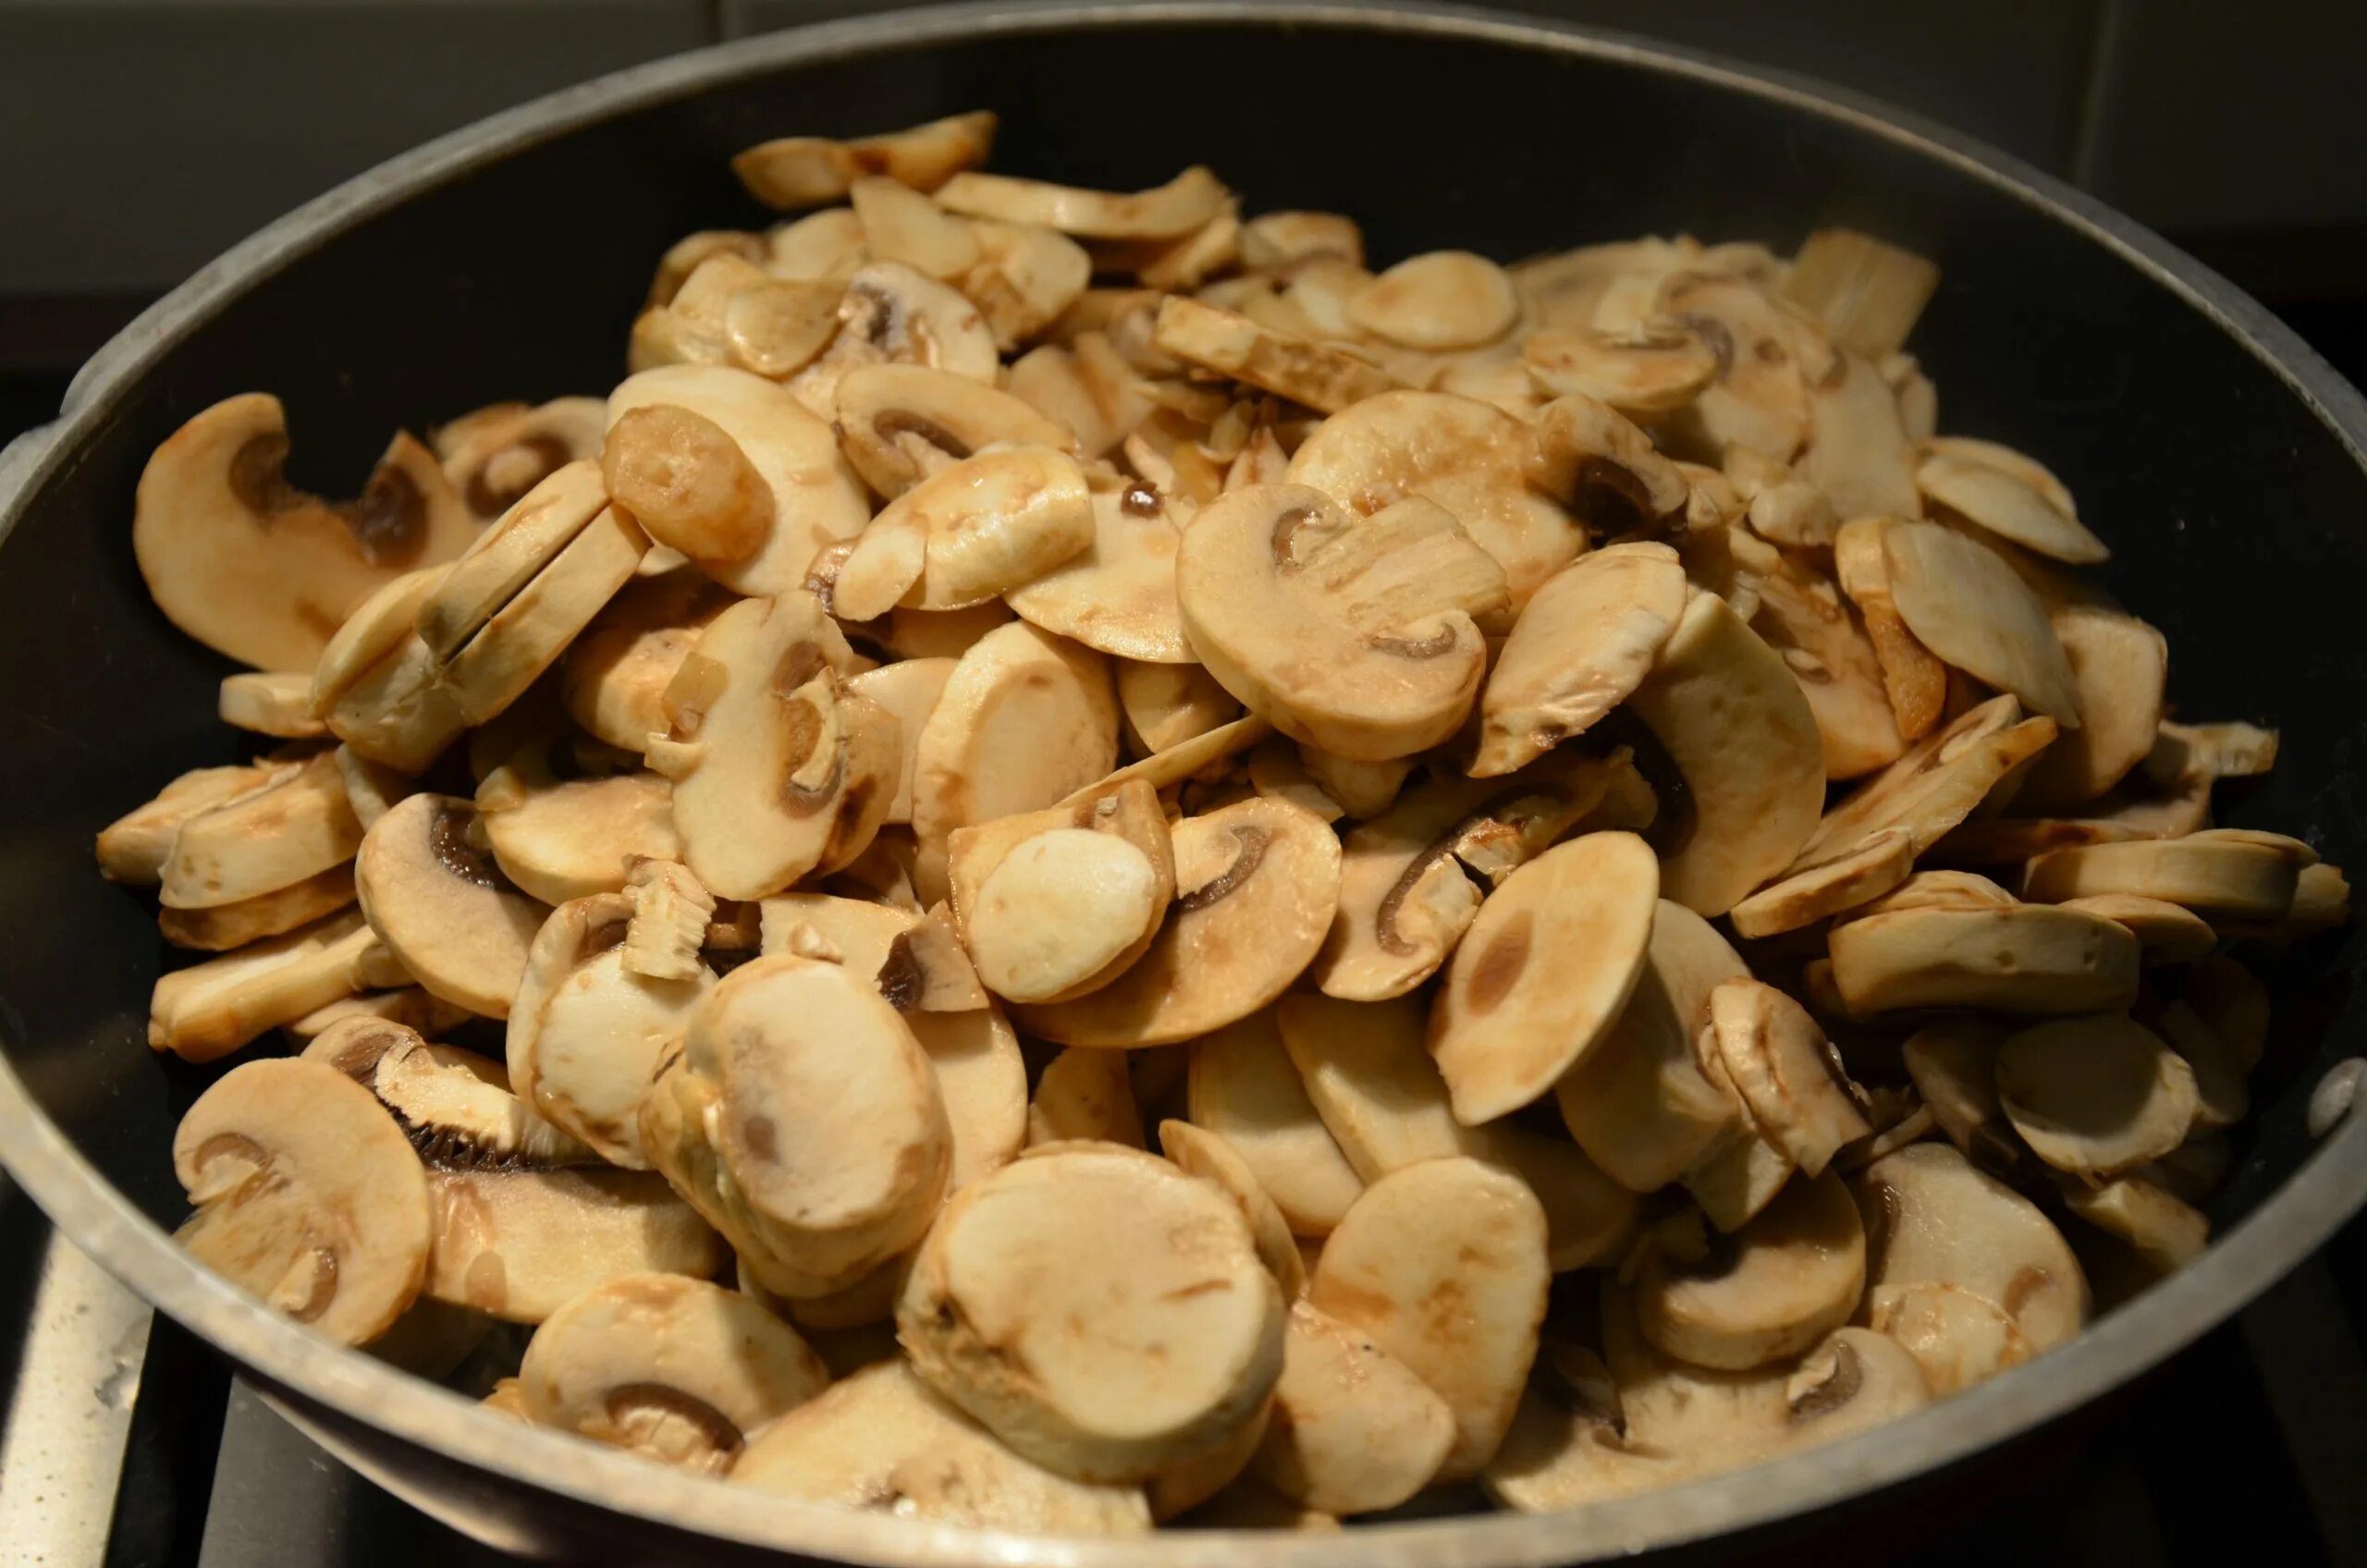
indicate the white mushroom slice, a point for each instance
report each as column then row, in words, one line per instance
column 1353, row 635
column 2025, row 958
column 372, row 789
column 1026, row 275
column 1583, row 643
column 671, row 912
column 136, row 847
column 908, row 690
column 688, row 484
column 1063, row 912
column 293, row 826
column 1279, row 241
column 1117, row 594
column 1244, row 1088
column 561, row 838
column 2095, row 1095
column 2214, row 877
column 1958, row 1336
column 1935, row 889
column 2119, row 665
column 1724, row 708
column 1937, row 783
column 1859, row 453
column 2166, row 1232
column 1968, row 607
column 1366, row 1070
column 307, row 1197
column 884, row 1434
column 1166, row 705
column 1203, row 1154
column 1178, row 265
column 262, row 571
column 1804, row 617
column 1588, row 1216
column 806, row 171
column 1638, row 1102
column 1931, row 1217
column 1697, row 1417
column 988, row 523
column 1318, row 374
column 1873, row 866
column 1085, row 1094
column 443, row 907
column 816, row 498
column 1789, row 1075
column 824, row 247
column 900, row 224
column 1655, row 370
column 2008, row 506
column 1953, row 1064
column 1544, row 970
column 1463, row 454
column 526, row 636
column 1390, row 1262
column 1913, row 676
column 677, row 1370
column 1355, row 1431
column 1050, row 379
column 2006, row 840
column 209, row 1010
column 584, row 1031
column 1867, row 293
column 413, row 1007
column 2232, row 1002
column 913, row 959
column 983, row 1079
column 1439, row 299
column 493, row 457
column 1258, row 883
column 1098, row 1309
column 1743, row 1172
column 780, row 769
column 276, row 702
column 1206, row 753
column 1767, row 1291
column 2215, row 750
column 1563, row 1454
column 1767, row 359
column 618, row 668
column 1163, row 212
column 2167, row 933
column 1361, row 790
column 521, row 1244
column 2320, row 902
column 1856, row 1380
column 509, row 552
column 901, row 423
column 804, row 1121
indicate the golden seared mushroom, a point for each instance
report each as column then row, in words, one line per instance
column 1163, row 212
column 442, row 906
column 1201, row 1153
column 1639, row 1102
column 807, row 493
column 780, row 769
column 2021, row 958
column 1390, row 1262
column 1765, row 1292
column 1966, row 478
column 275, row 703
column 209, row 1010
column 1913, row 677
column 1117, row 595
column 688, row 484
column 1056, row 904
column 560, row 835
column 222, row 927
column 1859, row 453
column 1439, row 300
column 307, row 1197
column 1256, row 886
column 1937, row 783
column 2216, row 877
column 804, row 1121
column 292, row 827
column 676, row 1370
column 1244, row 1087
column 1099, row 1310
column 1581, row 647
column 2095, row 1097
column 1545, row 969
column 617, row 670
column 1957, row 1337
column 1968, row 607
column 1355, row 636
column 1458, row 452
column 2166, row 1232
column 806, row 171
column 1931, row 1218
column 902, row 225
column 585, row 1030
column 1725, row 708
column 901, row 424
column 1321, row 375
column 1084, row 1095
column 1852, row 876
column 967, row 534
column 137, row 846
column 262, row 571
column 493, row 457
column 881, row 1439
column 1355, row 1430
column 1790, row 1077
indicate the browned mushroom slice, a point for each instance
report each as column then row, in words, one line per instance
column 220, row 927
column 2024, row 958
column 1859, row 453
column 1993, row 496
column 1117, row 594
column 1803, row 617
column 901, row 423
column 2215, row 877
column 1968, row 607
column 262, row 571
column 688, row 484
column 2095, row 1097
column 1317, row 375
column 1583, row 643
column 806, row 171
column 1164, row 212
column 1279, row 241
column 291, row 826
column 275, row 703
column 902, row 225
column 307, row 1196
column 1958, row 1336
column 2166, row 1232
column 1867, row 294
column 1544, row 970
column 1937, row 783
column 1606, row 468
column 1244, row 1087
column 208, row 1009
column 1914, row 678
column 967, row 533
column 442, row 906
column 560, row 838
column 1789, row 1075
column 507, row 556
column 2213, row 751
column 137, row 846
column 493, row 457
column 1932, row 1217
column 892, row 314
column 1864, row 872
column 1764, row 1293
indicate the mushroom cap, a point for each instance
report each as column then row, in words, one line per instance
column 1026, row 720
column 2023, row 958
column 290, row 825
column 2215, row 876
column 1790, row 1077
column 1201, row 1153
column 1971, row 608
column 560, row 838
column 1581, row 647
column 1060, row 908
column 521, row 1244
column 2096, row 1096
column 1724, row 708
column 617, row 669
column 222, row 927
column 1098, row 1309
column 1462, row 454
column 1391, row 1261
column 443, row 907
column 259, row 570
column 1929, row 1217
column 676, row 1370
column 307, row 1196
column 1117, row 595
column 1258, row 883
column 1355, row 1430
column 883, row 1431
column 1545, row 969
column 1243, row 1086
column 1767, row 1291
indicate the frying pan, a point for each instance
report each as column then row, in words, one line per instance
column 2220, row 457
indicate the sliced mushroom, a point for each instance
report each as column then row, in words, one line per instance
column 913, row 959
column 442, row 906
column 806, row 171
column 1700, row 1417
column 1873, row 866
column 815, row 498
column 1588, row 1216
column 1544, row 970
column 1439, row 299
column 2167, row 933
column 1656, row 370
column 1789, row 1075
column 967, row 533
column 1204, row 1154
column 1318, row 374
column 2024, row 958
column 1166, row 705
column 526, row 635
column 1064, row 911
column 1084, row 1095
column 2213, row 751
column 136, row 847
column 882, row 1440
column 2214, row 877
column 778, row 769
column 1859, row 453
column 1117, row 594
column 824, row 247
column 209, row 1010
column 2166, row 1232
column 493, row 457
column 521, row 1244
column 2097, row 1096
column 1390, row 1263
column 294, row 825
column 1932, row 1217
column 413, row 1007
column 1953, row 1062
column 1564, row 1452
column 1098, row 1309
column 901, row 423
column 1766, row 1293
column 1244, row 1088
column 1207, row 753
column 900, row 224
column 618, row 669
column 1355, row 1430
column 2320, row 902
column 1937, row 783
column 1638, row 1102
column 688, row 484
column 2008, row 503
column 908, row 690
column 1743, row 1171
column 2119, row 665
column 559, row 837
column 1583, row 643
column 1958, row 1336
column 511, row 552
column 1164, row 212
column 1767, row 359
column 1969, row 608
column 456, row 1115
column 307, row 1197
column 262, row 571
column 1367, row 1073
column 276, row 702
column 983, row 1079
column 1026, row 275
column 1913, row 676
column 1803, row 617
column 1725, row 708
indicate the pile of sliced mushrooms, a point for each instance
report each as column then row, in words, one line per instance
column 1129, row 872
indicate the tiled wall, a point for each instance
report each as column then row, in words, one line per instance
column 139, row 137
